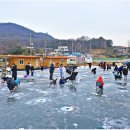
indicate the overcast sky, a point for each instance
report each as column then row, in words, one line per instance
column 65, row 19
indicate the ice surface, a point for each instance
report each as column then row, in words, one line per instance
column 38, row 106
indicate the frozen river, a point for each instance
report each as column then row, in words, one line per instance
column 38, row 106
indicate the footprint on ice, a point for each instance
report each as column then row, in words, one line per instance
column 116, row 123
column 68, row 109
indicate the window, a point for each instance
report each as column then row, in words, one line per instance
column 61, row 60
column 72, row 59
column 21, row 61
column 2, row 60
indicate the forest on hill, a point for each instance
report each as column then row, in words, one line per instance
column 14, row 35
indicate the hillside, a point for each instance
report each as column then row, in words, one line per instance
column 12, row 34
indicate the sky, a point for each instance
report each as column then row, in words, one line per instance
column 67, row 19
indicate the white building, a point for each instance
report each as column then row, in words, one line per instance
column 62, row 49
column 129, row 43
column 71, row 60
column 88, row 59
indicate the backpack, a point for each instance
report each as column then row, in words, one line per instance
column 62, row 81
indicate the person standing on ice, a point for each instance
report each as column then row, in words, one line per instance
column 125, row 72
column 51, row 71
column 90, row 65
column 120, row 70
column 99, row 85
column 62, row 81
column 32, row 69
column 116, row 68
column 14, row 71
column 27, row 68
column 61, row 71
column 104, row 66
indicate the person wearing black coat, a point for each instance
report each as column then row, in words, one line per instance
column 27, row 68
column 89, row 64
column 32, row 70
column 51, row 71
column 14, row 71
column 41, row 68
column 108, row 67
column 104, row 66
column 116, row 68
column 125, row 72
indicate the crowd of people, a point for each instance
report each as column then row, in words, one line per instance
column 118, row 71
column 13, row 82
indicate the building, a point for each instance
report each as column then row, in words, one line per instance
column 56, row 60
column 3, row 62
column 128, row 43
column 62, row 49
column 71, row 60
column 80, row 58
column 75, row 60
column 22, row 60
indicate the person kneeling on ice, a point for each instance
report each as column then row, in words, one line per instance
column 93, row 70
column 99, row 85
column 117, row 75
column 11, row 84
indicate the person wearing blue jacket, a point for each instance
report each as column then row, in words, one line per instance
column 62, row 81
column 116, row 68
column 61, row 71
column 120, row 70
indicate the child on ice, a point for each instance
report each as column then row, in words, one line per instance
column 99, row 85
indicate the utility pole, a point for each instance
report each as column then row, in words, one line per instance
column 72, row 45
column 90, row 47
column 31, row 44
column 128, row 44
column 46, row 40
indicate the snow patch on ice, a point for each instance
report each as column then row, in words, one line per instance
column 89, row 99
column 75, row 125
column 122, row 123
column 36, row 101
column 17, row 95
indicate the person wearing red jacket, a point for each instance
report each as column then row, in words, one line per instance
column 99, row 85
